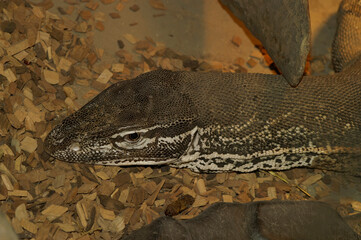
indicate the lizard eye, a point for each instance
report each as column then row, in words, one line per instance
column 132, row 137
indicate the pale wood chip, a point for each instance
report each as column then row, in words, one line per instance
column 15, row 143
column 81, row 214
column 177, row 64
column 6, row 181
column 252, row 180
column 30, row 106
column 262, row 199
column 66, row 227
column 221, row 177
column 92, row 5
column 18, row 163
column 117, row 67
column 159, row 202
column 38, row 11
column 29, row 226
column 21, row 193
column 187, row 179
column 124, row 195
column 165, row 63
column 68, row 101
column 52, row 15
column 59, row 181
column 218, row 66
column 51, row 76
column 4, row 126
column 20, row 114
column 149, row 187
column 82, row 82
column 54, row 211
column 138, row 175
column 272, row 192
column 82, row 27
column 117, row 225
column 29, row 144
column 15, row 48
column 107, row 214
column 130, row 38
column 6, row 150
column 2, row 197
column 16, row 224
column 257, row 54
column 356, row 206
column 322, row 189
column 119, row 7
column 83, row 73
column 152, row 198
column 252, row 62
column 92, row 58
column 102, row 175
column 213, row 199
column 239, row 61
column 105, row 76
column 200, row 201
column 146, row 67
column 100, row 67
column 188, row 191
column 311, row 180
column 9, row 74
column 157, row 4
column 21, row 55
column 104, row 224
column 265, row 179
column 37, row 175
column 29, row 124
column 99, row 26
column 5, row 170
column 91, row 196
column 147, row 171
column 37, row 117
column 4, row 44
column 87, row 187
column 236, row 40
column 28, row 93
column 44, row 36
column 227, row 198
column 85, row 14
column 99, row 52
column 64, row 64
column 106, row 187
column 201, row 187
column 70, row 9
column 90, row 94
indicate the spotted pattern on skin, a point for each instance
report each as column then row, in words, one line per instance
column 202, row 157
column 280, row 162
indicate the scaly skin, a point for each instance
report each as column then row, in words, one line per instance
column 218, row 122
column 215, row 122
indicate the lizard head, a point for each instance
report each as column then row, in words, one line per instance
column 144, row 121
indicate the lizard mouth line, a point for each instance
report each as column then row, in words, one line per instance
column 134, row 162
column 115, row 160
